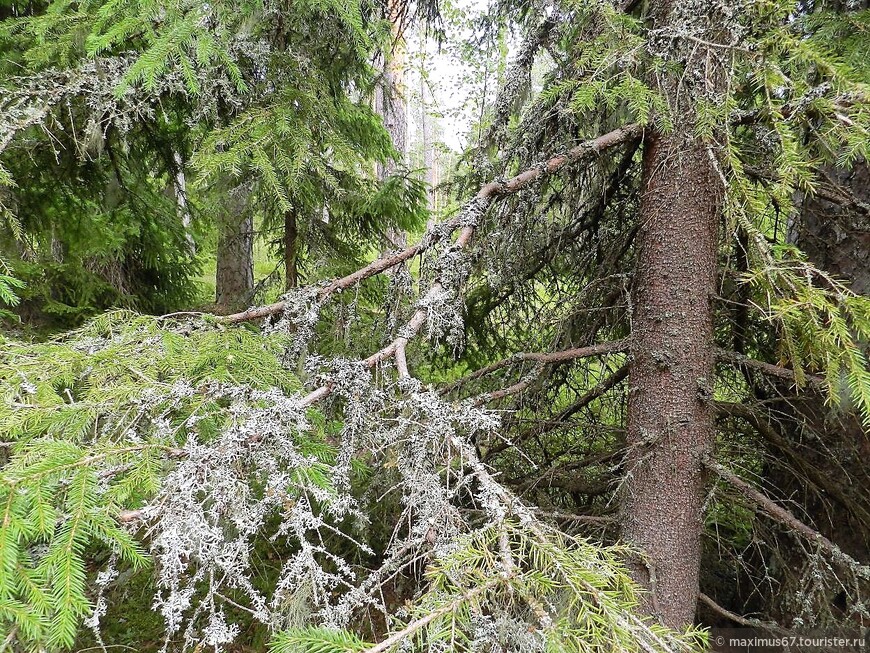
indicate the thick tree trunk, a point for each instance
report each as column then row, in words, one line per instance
column 234, row 281
column 670, row 418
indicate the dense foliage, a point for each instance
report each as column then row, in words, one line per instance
column 427, row 449
column 263, row 107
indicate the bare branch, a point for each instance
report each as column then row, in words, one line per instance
column 550, row 425
column 542, row 358
column 783, row 516
column 769, row 369
column 736, row 618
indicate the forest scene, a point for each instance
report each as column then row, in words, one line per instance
column 383, row 326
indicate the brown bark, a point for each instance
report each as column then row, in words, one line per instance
column 670, row 413
column 291, row 251
column 234, row 279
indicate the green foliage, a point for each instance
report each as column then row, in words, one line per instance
column 8, row 287
column 317, row 640
column 272, row 103
column 822, row 324
column 89, row 422
column 306, row 152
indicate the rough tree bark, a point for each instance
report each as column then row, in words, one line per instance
column 670, row 410
column 234, row 280
column 670, row 416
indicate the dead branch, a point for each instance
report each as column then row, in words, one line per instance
column 783, row 516
column 769, row 369
column 487, row 193
column 738, row 619
column 551, row 425
column 773, row 436
column 485, row 196
column 542, row 358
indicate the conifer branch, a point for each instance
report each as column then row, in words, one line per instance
column 445, row 229
column 412, row 628
column 550, row 425
column 784, row 516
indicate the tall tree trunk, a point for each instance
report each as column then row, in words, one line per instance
column 670, row 418
column 291, row 251
column 429, row 162
column 179, row 186
column 234, row 280
column 390, row 105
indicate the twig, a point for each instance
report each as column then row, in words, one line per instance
column 544, row 358
column 736, row 618
column 421, row 623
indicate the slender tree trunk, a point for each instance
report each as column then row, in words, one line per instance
column 179, row 186
column 291, row 250
column 670, row 419
column 429, row 162
column 234, row 281
column 390, row 105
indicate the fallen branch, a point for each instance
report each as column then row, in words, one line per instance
column 480, row 202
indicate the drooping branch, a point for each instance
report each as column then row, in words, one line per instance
column 468, row 218
column 783, row 516
column 445, row 229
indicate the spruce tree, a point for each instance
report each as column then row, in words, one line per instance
column 578, row 404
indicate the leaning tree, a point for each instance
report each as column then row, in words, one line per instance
column 614, row 336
